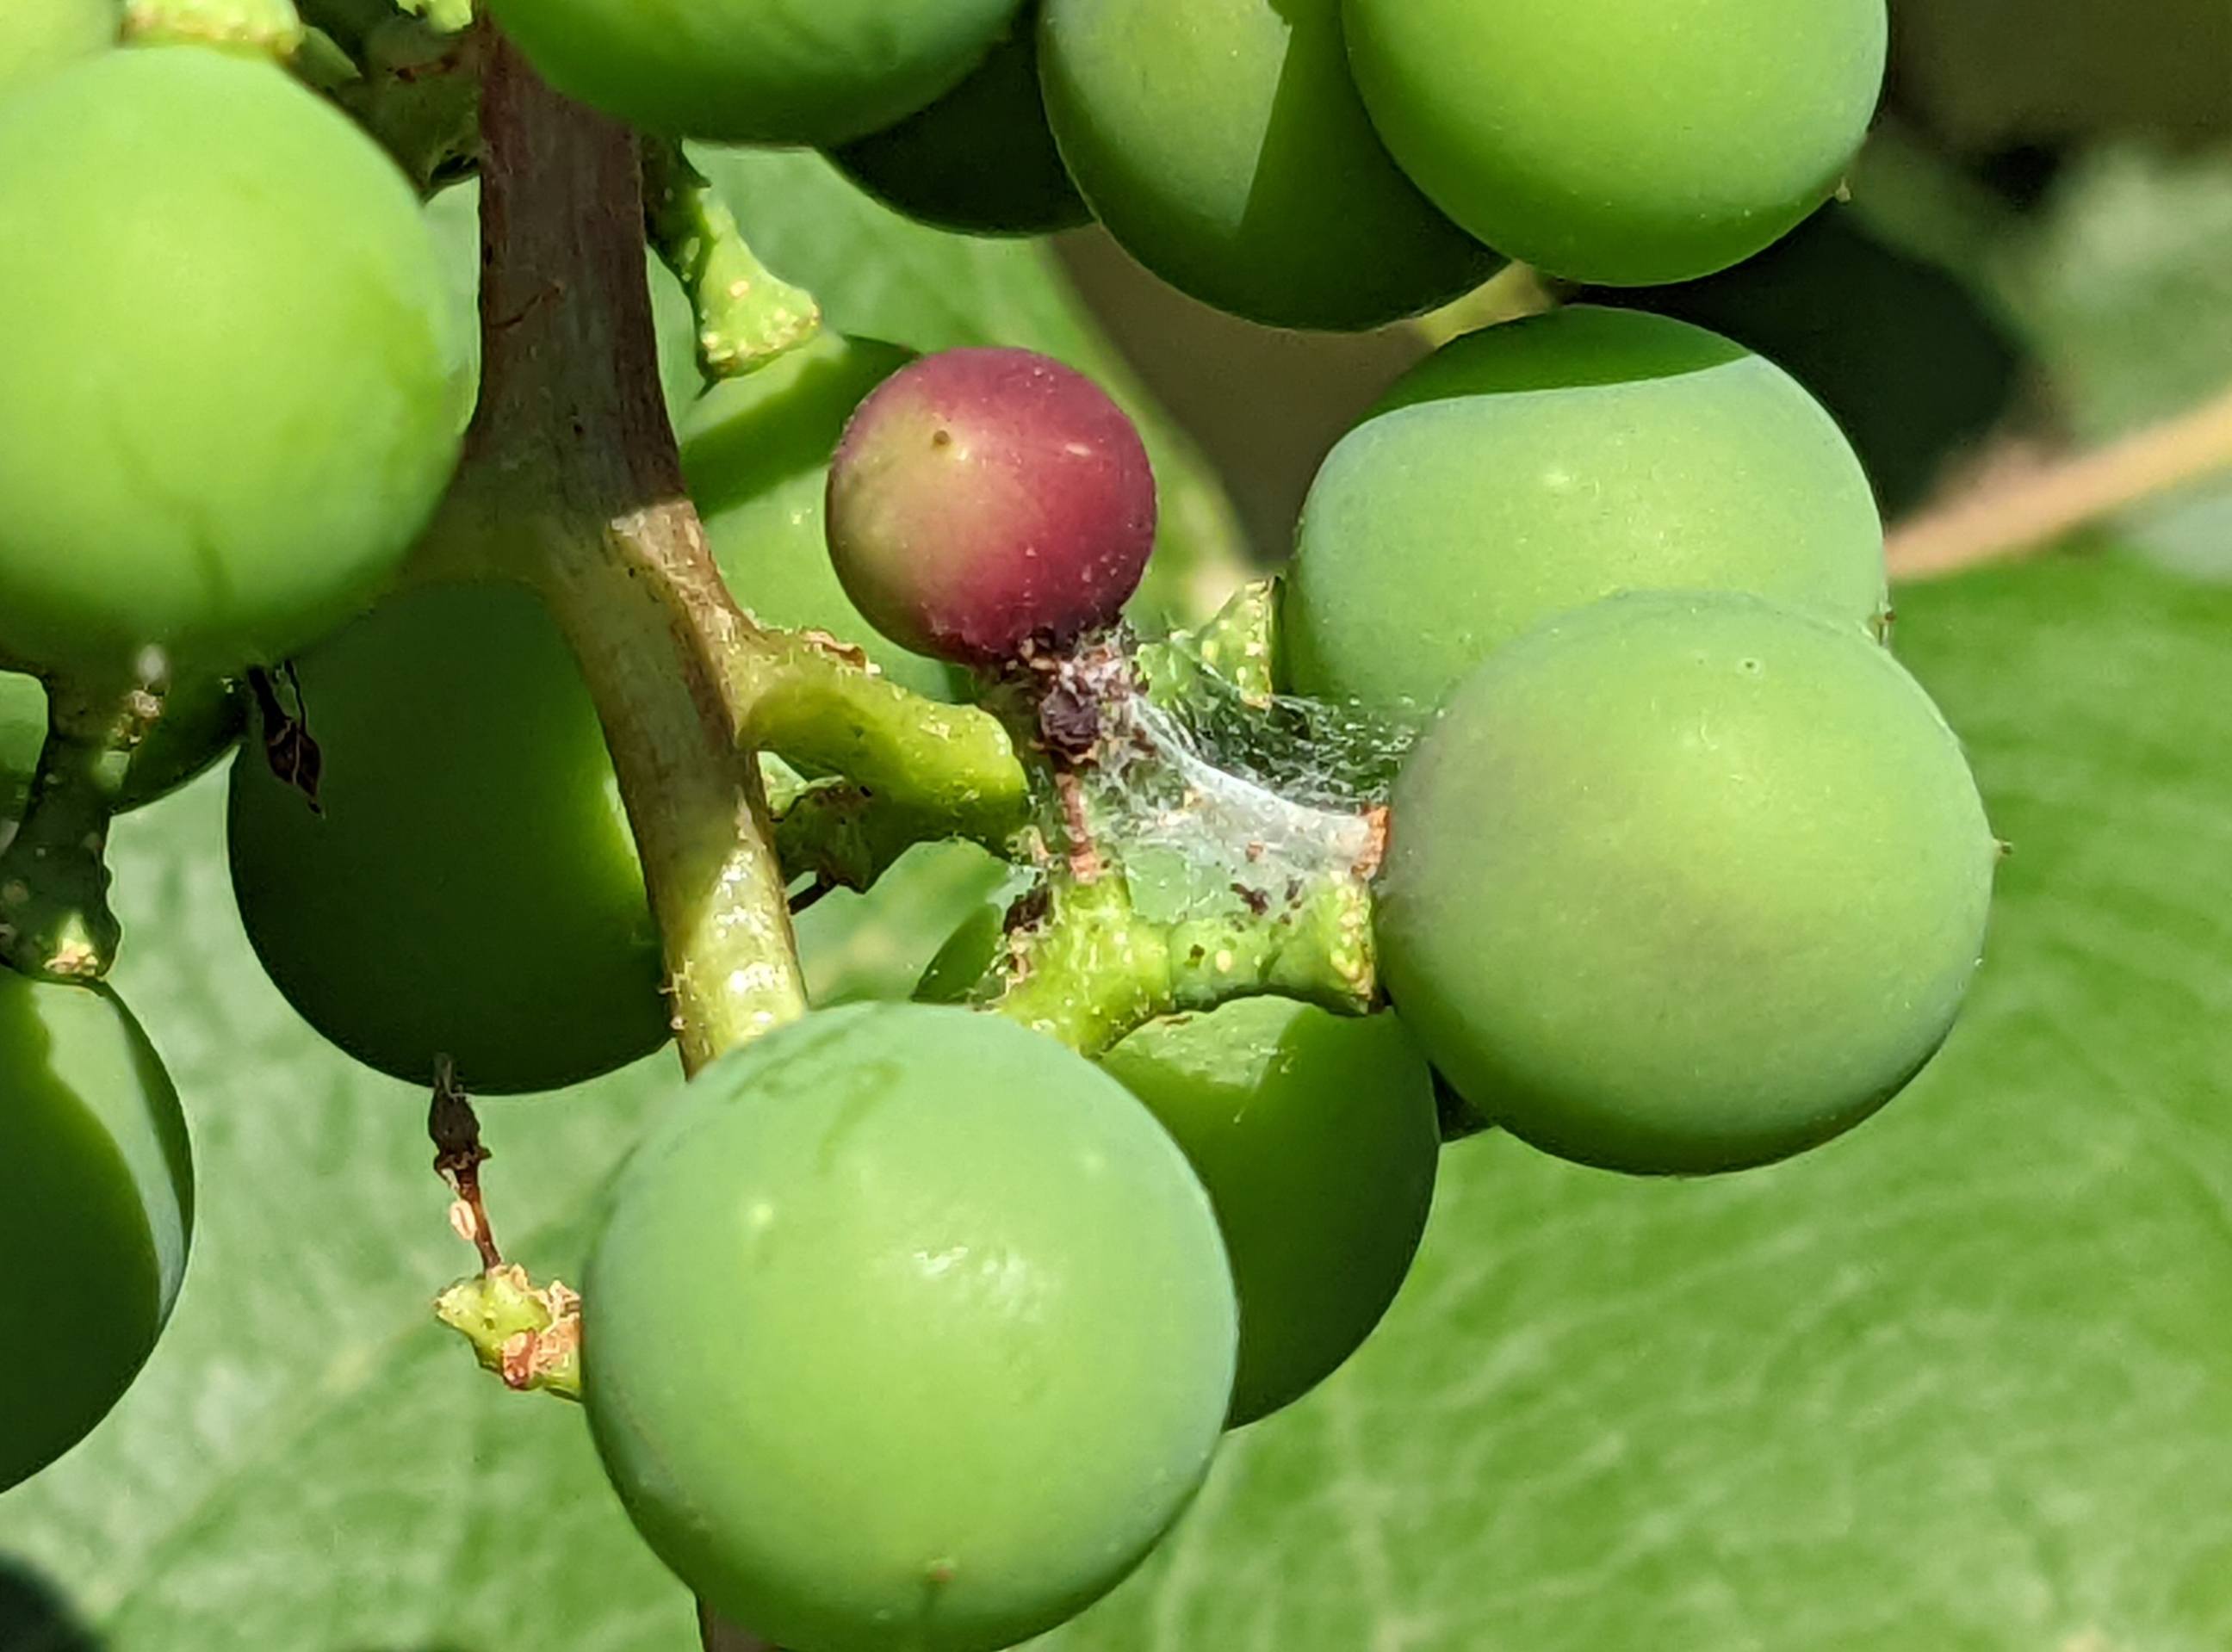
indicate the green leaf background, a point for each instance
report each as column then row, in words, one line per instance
column 1962, row 1383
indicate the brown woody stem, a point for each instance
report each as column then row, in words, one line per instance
column 573, row 481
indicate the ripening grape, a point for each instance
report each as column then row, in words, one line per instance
column 984, row 499
column 982, row 160
column 756, row 452
column 758, row 71
column 910, row 1331
column 1625, row 142
column 1685, row 882
column 37, row 36
column 1223, row 143
column 228, row 406
column 96, row 1209
column 1539, row 465
column 469, row 887
column 1317, row 1137
column 201, row 719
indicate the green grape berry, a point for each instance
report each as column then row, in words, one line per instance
column 982, row 160
column 1317, row 1137
column 1907, row 358
column 1539, row 465
column 758, row 71
column 96, row 1210
column 201, row 720
column 756, row 453
column 1241, row 166
column 22, row 731
column 1625, row 142
column 910, row 1331
column 468, row 885
column 228, row 407
column 1685, row 882
column 37, row 36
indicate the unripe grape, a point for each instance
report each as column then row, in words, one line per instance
column 23, row 732
column 1537, row 466
column 1685, row 882
column 1915, row 370
column 910, row 1330
column 468, row 886
column 985, row 499
column 756, row 452
column 982, row 160
column 1317, row 1137
column 1223, row 144
column 228, row 406
column 1625, row 142
column 757, row 71
column 37, row 36
column 96, row 1210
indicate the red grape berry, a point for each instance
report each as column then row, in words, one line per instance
column 985, row 500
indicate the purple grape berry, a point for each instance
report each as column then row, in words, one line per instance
column 983, row 500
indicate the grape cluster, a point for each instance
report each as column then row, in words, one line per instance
column 908, row 1326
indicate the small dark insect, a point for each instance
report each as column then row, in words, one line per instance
column 1069, row 722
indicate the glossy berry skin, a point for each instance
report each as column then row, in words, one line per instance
column 756, row 451
column 230, row 399
column 1684, row 883
column 1223, row 144
column 1317, row 1137
column 1623, row 142
column 470, row 888
column 1535, row 467
column 757, row 71
column 96, row 1210
column 910, row 1330
column 984, row 499
column 982, row 160
column 202, row 720
column 37, row 36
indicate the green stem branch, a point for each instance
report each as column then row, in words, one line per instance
column 821, row 709
column 1095, row 968
column 54, row 917
column 747, row 315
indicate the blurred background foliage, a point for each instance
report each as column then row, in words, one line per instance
column 1961, row 1383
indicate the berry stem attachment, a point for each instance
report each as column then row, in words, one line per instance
column 951, row 768
column 746, row 316
column 54, row 917
column 272, row 27
column 528, row 1335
